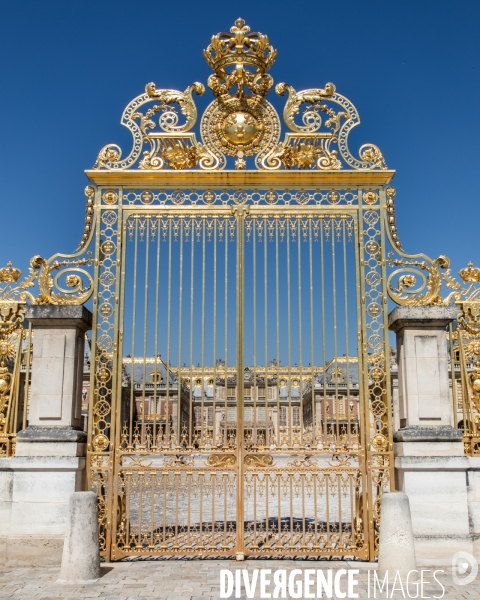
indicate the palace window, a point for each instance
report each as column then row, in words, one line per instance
column 262, row 414
column 295, row 422
column 337, row 376
column 231, row 414
column 198, row 415
column 295, row 416
column 207, row 416
column 156, row 377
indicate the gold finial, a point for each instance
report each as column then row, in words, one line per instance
column 240, row 122
column 239, row 49
column 470, row 274
column 9, row 273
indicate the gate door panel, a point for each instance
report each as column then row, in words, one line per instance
column 176, row 463
column 303, row 453
column 241, row 385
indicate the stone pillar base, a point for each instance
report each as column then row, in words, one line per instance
column 430, row 468
column 35, row 488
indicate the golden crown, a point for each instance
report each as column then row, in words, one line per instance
column 9, row 273
column 240, row 47
column 470, row 274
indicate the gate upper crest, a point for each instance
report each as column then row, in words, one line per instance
column 240, row 122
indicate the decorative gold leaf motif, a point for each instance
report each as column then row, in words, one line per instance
column 258, row 460
column 100, row 442
column 221, row 460
column 406, row 281
column 379, row 442
column 79, row 293
column 370, row 197
column 181, row 156
column 180, row 460
column 7, row 349
column 302, row 463
column 296, row 99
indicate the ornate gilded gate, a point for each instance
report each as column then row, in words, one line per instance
column 241, row 381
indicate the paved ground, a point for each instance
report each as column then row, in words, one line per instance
column 191, row 580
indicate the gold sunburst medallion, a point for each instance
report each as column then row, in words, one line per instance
column 7, row 350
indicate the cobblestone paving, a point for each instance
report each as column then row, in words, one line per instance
column 190, row 580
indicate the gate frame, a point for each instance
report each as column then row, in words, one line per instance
column 376, row 467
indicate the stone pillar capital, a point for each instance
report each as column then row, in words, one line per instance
column 58, row 315
column 421, row 317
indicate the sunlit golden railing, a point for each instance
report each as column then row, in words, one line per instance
column 464, row 340
column 15, row 360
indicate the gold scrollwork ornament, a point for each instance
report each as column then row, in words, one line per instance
column 405, row 294
column 258, row 460
column 221, row 460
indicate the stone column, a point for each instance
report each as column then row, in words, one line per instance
column 49, row 462
column 473, row 490
column 430, row 466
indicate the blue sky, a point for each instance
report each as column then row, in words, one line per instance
column 68, row 69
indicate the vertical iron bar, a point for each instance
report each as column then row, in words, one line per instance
column 225, row 333
column 254, row 293
column 300, row 337
column 169, row 331
column 347, row 353
column 180, row 333
column 214, row 345
column 203, row 416
column 26, row 393
column 453, row 378
column 265, row 333
column 277, row 335
column 156, row 400
column 289, row 342
column 134, row 312
column 312, row 346
column 191, row 438
column 324, row 343
column 240, row 396
column 145, row 321
column 335, row 345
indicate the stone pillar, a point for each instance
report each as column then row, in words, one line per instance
column 49, row 462
column 396, row 552
column 422, row 358
column 473, row 490
column 81, row 552
column 430, row 466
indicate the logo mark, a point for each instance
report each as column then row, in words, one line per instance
column 464, row 568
